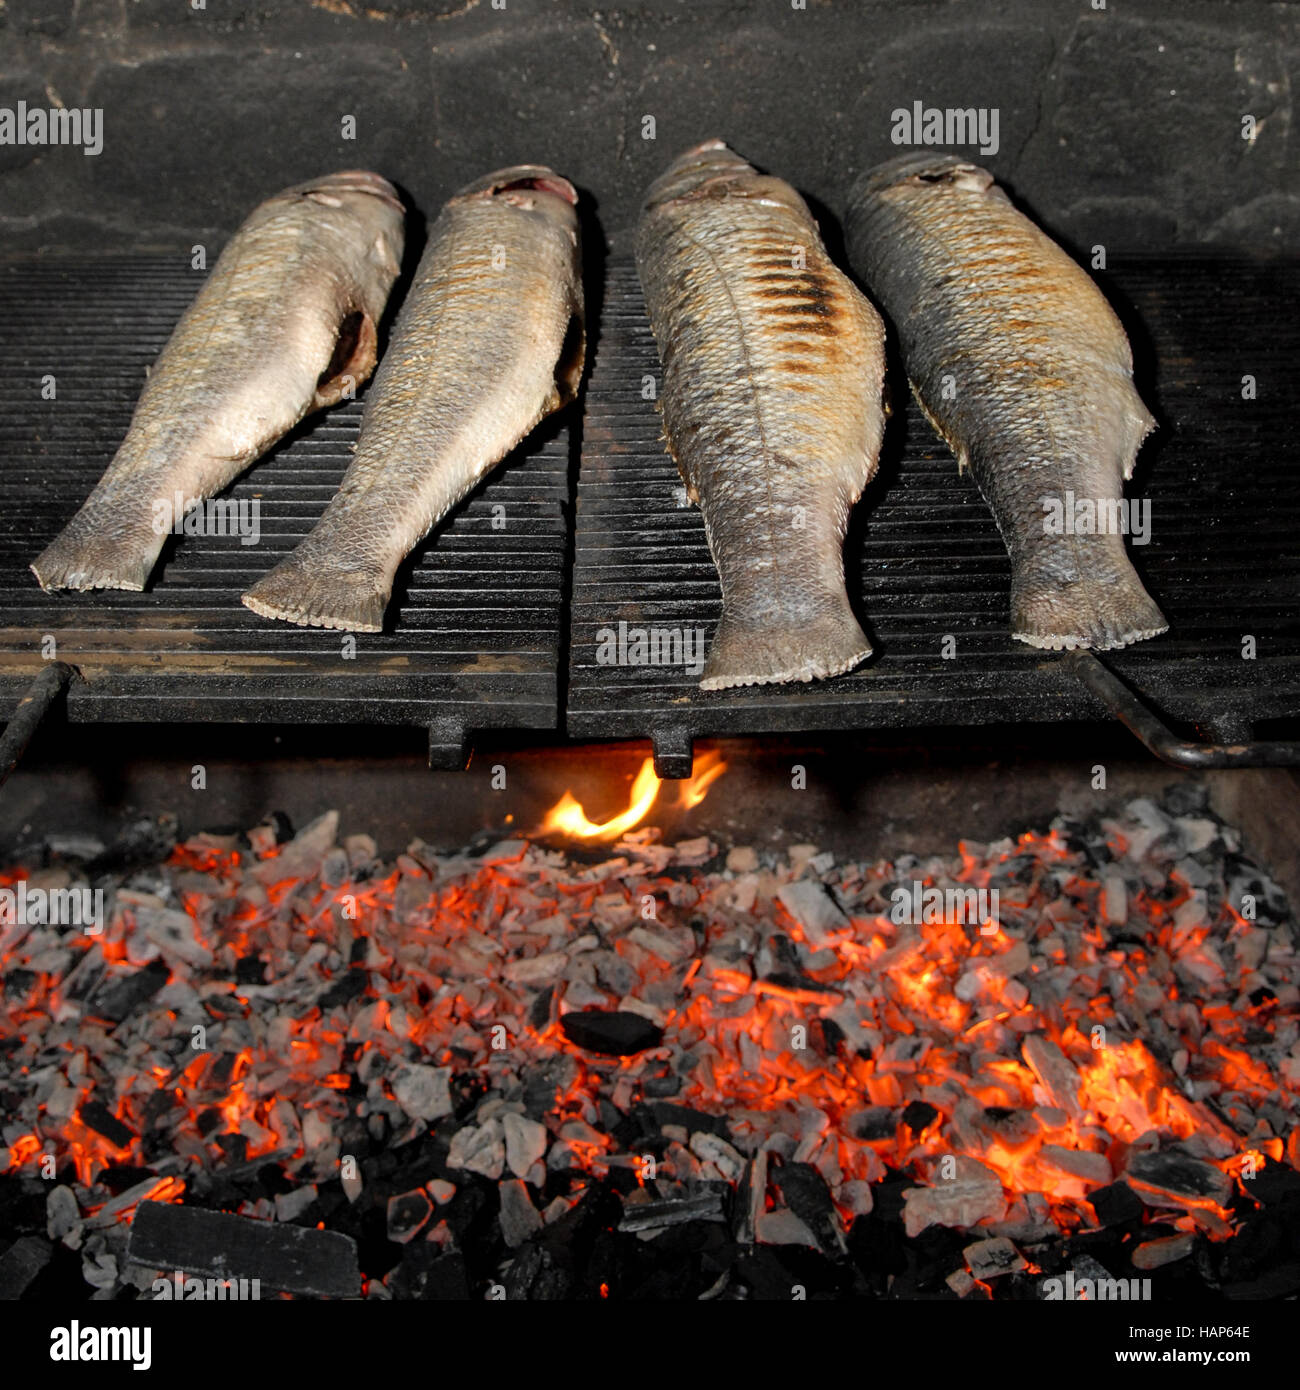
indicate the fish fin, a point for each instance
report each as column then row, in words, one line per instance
column 744, row 654
column 312, row 592
column 1139, row 423
column 572, row 359
column 91, row 552
column 1103, row 612
column 959, row 449
column 356, row 350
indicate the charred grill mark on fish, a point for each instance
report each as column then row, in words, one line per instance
column 1044, row 404
column 773, row 367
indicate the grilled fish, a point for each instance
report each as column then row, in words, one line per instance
column 489, row 342
column 285, row 324
column 1023, row 368
column 773, row 368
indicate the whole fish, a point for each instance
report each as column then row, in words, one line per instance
column 773, row 367
column 1025, row 371
column 285, row 324
column 489, row 342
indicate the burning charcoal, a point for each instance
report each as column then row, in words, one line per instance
column 973, row 1195
column 350, row 984
column 614, row 1033
column 303, row 855
column 1171, row 1178
column 250, row 970
column 526, row 1142
column 918, row 1115
column 692, row 852
column 987, row 1259
column 1275, row 1184
column 742, row 860
column 519, row 1218
column 1114, row 900
column 752, row 1200
column 856, row 1197
column 98, row 1117
column 811, row 905
column 407, row 1213
column 1116, row 1204
column 427, row 1273
column 960, row 1282
column 288, row 1259
column 806, row 1194
column 541, row 1274
column 63, row 1217
column 291, row 1205
column 1014, row 1128
column 1092, row 1169
column 124, row 990
column 545, row 1081
column 176, row 934
column 537, row 971
column 1196, row 833
column 20, row 1265
column 424, row 1092
column 1152, row 1254
column 783, row 1227
column 655, row 1215
column 709, row 1148
column 1055, row 1072
column 480, row 1149
column 878, row 1122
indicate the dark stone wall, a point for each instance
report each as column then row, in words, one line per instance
column 1121, row 126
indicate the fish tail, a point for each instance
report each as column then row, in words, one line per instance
column 1101, row 611
column 745, row 653
column 313, row 591
column 96, row 551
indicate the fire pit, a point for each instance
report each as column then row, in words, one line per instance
column 593, row 1064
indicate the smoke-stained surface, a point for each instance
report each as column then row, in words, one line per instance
column 1122, row 126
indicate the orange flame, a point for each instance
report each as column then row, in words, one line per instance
column 567, row 817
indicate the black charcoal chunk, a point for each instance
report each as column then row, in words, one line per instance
column 97, row 1116
column 1116, row 1204
column 21, row 1263
column 612, row 1033
column 918, row 1115
column 290, row 1259
column 119, row 997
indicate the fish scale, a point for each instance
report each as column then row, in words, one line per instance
column 1023, row 368
column 489, row 342
column 773, row 366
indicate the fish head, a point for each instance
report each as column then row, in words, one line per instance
column 713, row 170
column 922, row 170
column 357, row 192
column 709, row 166
column 531, row 188
column 361, row 202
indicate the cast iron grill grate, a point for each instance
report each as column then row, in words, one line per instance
column 473, row 635
column 924, row 557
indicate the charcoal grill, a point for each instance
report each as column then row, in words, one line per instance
column 925, row 560
column 473, row 636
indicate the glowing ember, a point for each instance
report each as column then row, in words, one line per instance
column 260, row 1005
